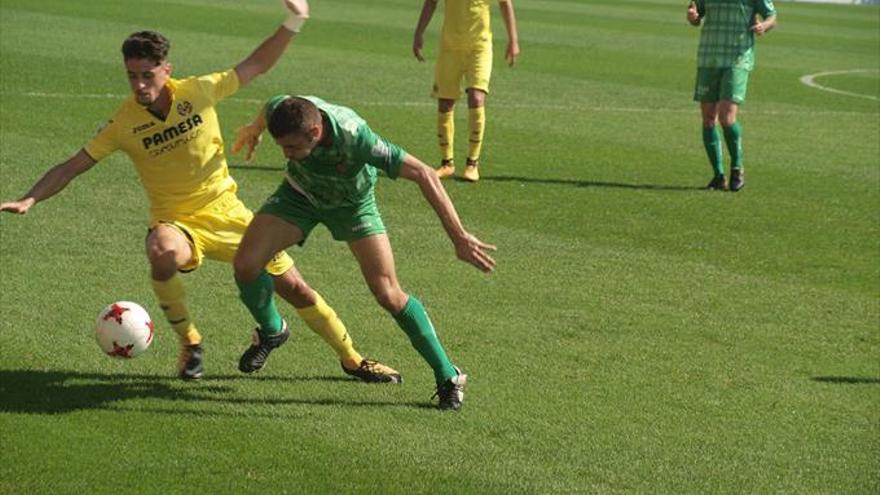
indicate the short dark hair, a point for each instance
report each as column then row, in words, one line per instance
column 294, row 115
column 149, row 45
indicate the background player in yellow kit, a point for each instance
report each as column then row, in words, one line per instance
column 465, row 54
column 169, row 129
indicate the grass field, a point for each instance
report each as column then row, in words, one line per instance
column 640, row 335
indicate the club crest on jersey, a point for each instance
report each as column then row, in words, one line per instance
column 184, row 108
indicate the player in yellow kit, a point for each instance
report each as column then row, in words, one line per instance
column 169, row 129
column 465, row 55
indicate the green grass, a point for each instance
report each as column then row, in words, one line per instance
column 638, row 336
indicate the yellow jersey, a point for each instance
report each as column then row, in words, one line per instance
column 466, row 24
column 180, row 160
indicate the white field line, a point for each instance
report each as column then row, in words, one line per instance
column 810, row 80
column 431, row 103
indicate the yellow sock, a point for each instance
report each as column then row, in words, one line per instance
column 476, row 126
column 172, row 299
column 323, row 321
column 446, row 133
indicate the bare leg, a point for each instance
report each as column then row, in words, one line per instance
column 376, row 261
column 168, row 250
column 265, row 236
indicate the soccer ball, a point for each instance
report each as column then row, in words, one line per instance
column 124, row 330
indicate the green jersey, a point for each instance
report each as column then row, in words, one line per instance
column 343, row 174
column 726, row 40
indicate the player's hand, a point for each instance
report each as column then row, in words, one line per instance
column 474, row 251
column 692, row 15
column 21, row 206
column 759, row 28
column 511, row 53
column 418, row 43
column 248, row 135
column 297, row 13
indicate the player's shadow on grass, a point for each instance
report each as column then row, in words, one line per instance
column 847, row 380
column 530, row 180
column 586, row 183
column 258, row 168
column 58, row 392
column 53, row 392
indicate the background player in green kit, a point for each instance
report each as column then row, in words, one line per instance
column 725, row 57
column 333, row 162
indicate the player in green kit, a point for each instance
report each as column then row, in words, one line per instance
column 725, row 57
column 333, row 163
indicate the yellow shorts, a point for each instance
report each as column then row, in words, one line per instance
column 215, row 232
column 474, row 66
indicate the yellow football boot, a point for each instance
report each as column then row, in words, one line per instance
column 446, row 169
column 471, row 174
column 372, row 371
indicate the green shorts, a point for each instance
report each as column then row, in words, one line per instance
column 715, row 84
column 345, row 224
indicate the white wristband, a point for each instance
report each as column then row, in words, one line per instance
column 294, row 22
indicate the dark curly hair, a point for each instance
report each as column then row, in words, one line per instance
column 149, row 45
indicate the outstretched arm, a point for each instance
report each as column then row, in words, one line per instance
column 467, row 247
column 512, row 35
column 250, row 135
column 51, row 183
column 424, row 19
column 264, row 57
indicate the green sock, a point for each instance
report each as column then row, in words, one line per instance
column 712, row 142
column 258, row 297
column 418, row 327
column 733, row 138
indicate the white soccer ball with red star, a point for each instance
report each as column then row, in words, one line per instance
column 124, row 329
